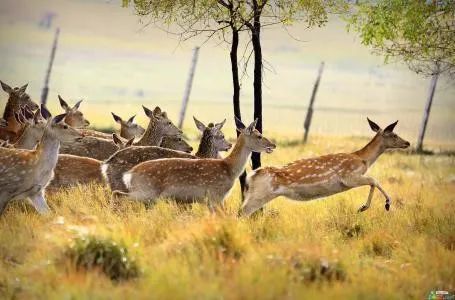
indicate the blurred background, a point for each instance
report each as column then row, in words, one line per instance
column 109, row 58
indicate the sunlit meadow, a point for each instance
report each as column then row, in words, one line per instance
column 321, row 249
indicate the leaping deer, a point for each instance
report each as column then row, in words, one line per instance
column 188, row 180
column 26, row 173
column 318, row 177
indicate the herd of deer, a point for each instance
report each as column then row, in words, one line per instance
column 40, row 153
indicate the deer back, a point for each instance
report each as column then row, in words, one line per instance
column 89, row 146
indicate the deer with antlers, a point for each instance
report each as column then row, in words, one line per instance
column 101, row 149
column 187, row 180
column 212, row 142
column 26, row 173
column 318, row 177
column 17, row 98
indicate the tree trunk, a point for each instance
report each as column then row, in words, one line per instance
column 257, row 83
column 236, row 87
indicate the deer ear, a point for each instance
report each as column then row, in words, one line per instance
column 131, row 120
column 59, row 118
column 6, row 87
column 239, row 125
column 375, row 127
column 157, row 111
column 63, row 103
column 199, row 124
column 116, row 139
column 252, row 126
column 76, row 106
column 148, row 112
column 116, row 118
column 391, row 127
column 23, row 88
column 218, row 126
column 130, row 142
column 45, row 113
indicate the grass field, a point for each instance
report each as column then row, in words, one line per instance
column 315, row 250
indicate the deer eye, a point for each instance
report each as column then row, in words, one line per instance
column 65, row 126
column 260, row 137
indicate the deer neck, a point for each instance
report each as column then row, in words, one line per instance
column 372, row 150
column 28, row 139
column 206, row 148
column 153, row 136
column 8, row 115
column 238, row 157
column 47, row 150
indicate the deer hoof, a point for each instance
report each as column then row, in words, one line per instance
column 387, row 206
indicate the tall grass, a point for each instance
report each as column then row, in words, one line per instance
column 319, row 249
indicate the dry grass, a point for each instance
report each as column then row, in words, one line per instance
column 319, row 249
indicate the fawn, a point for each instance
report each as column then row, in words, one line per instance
column 17, row 98
column 101, row 149
column 26, row 173
column 212, row 142
column 128, row 129
column 73, row 170
column 187, row 180
column 313, row 178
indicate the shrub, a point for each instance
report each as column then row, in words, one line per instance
column 102, row 254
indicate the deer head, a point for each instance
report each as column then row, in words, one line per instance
column 17, row 98
column 254, row 140
column 388, row 138
column 120, row 143
column 161, row 121
column 212, row 137
column 74, row 117
column 57, row 128
column 34, row 126
column 128, row 129
column 176, row 142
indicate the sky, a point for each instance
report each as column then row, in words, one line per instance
column 107, row 57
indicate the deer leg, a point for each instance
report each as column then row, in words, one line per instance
column 39, row 202
column 365, row 180
column 254, row 201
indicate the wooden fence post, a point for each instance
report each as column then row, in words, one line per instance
column 45, row 90
column 189, row 83
column 309, row 114
column 426, row 113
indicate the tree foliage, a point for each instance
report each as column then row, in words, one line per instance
column 420, row 33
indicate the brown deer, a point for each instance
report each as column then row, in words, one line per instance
column 74, row 170
column 17, row 98
column 212, row 142
column 101, row 149
column 318, row 177
column 187, row 180
column 176, row 142
column 128, row 129
column 76, row 119
column 26, row 173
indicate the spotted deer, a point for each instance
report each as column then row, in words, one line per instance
column 187, row 180
column 128, row 129
column 212, row 142
column 74, row 170
column 101, row 149
column 17, row 98
column 26, row 173
column 318, row 177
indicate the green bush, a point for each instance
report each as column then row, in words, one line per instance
column 102, row 254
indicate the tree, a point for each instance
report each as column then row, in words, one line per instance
column 419, row 33
column 218, row 18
